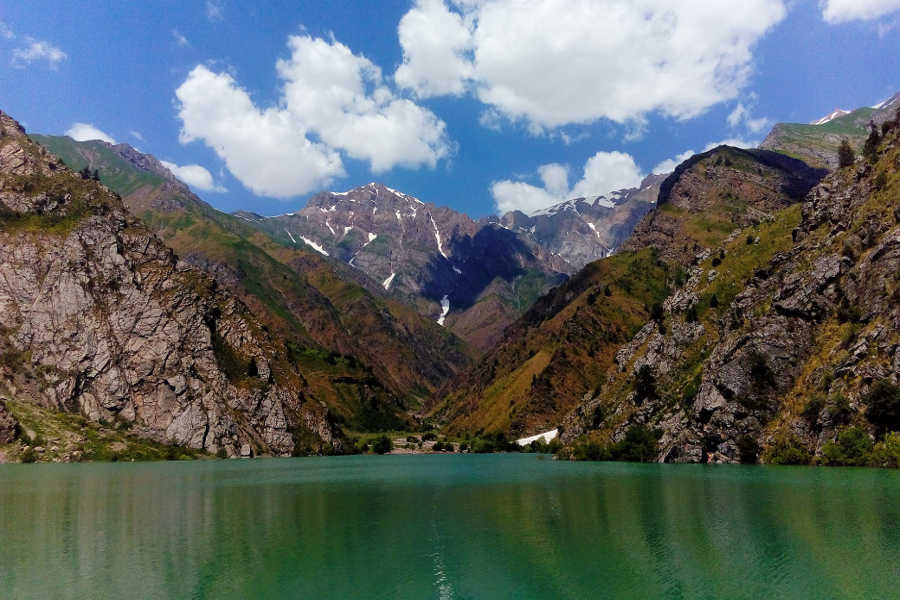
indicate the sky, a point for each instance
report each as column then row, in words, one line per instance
column 481, row 105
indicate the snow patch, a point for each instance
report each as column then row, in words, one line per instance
column 386, row 284
column 838, row 112
column 594, row 228
column 457, row 271
column 372, row 237
column 313, row 245
column 347, row 229
column 330, row 228
column 399, row 218
column 289, row 235
column 437, row 237
column 546, row 436
column 445, row 308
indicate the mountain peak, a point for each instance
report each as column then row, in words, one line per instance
column 837, row 112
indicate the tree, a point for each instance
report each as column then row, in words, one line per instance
column 883, row 410
column 870, row 148
column 846, row 156
column 95, row 175
column 382, row 445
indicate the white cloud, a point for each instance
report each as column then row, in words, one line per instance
column 841, row 11
column 180, row 39
column 195, row 176
column 215, row 10
column 37, row 50
column 557, row 62
column 6, row 32
column 603, row 173
column 82, row 132
column 434, row 65
column 329, row 95
column 668, row 165
column 136, row 135
column 742, row 116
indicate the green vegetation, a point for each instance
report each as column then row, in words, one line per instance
column 846, row 155
column 852, row 448
column 640, row 444
column 883, row 407
column 787, row 450
column 382, row 445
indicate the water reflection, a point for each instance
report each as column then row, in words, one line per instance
column 446, row 527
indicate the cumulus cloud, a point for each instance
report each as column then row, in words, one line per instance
column 668, row 165
column 37, row 50
column 195, row 176
column 602, row 173
column 332, row 101
column 82, row 132
column 841, row 11
column 557, row 62
column 742, row 116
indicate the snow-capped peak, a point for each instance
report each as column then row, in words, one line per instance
column 838, row 112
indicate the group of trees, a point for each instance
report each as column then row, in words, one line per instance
column 86, row 173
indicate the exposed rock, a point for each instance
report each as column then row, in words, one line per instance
column 115, row 327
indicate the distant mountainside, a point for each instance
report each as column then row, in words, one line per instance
column 99, row 318
column 560, row 351
column 783, row 345
column 371, row 358
column 474, row 277
column 817, row 143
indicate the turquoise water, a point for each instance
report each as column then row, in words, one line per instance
column 491, row 526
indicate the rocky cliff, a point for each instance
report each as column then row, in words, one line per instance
column 783, row 345
column 100, row 318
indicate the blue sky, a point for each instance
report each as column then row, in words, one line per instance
column 475, row 105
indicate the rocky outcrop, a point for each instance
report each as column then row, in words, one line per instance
column 101, row 318
column 804, row 323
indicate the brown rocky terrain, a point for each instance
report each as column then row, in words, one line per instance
column 100, row 318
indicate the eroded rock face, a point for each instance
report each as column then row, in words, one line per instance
column 106, row 322
column 819, row 319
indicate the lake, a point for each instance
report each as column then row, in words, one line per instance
column 446, row 526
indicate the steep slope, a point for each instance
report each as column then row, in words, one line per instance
column 372, row 356
column 100, row 318
column 560, row 351
column 783, row 345
column 817, row 143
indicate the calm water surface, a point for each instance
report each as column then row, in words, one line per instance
column 494, row 526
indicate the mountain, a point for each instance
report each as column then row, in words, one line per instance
column 583, row 230
column 474, row 277
column 371, row 358
column 782, row 346
column 100, row 319
column 559, row 353
column 817, row 143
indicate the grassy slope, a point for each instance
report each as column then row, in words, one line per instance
column 560, row 349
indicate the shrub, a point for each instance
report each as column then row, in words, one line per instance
column 656, row 312
column 463, row 447
column 429, row 437
column 852, row 448
column 221, row 453
column 598, row 417
column 716, row 261
column 846, row 156
column 813, row 409
column 639, row 445
column 787, row 450
column 591, row 451
column 750, row 240
column 28, row 455
column 382, row 445
column 870, row 148
column 883, row 402
column 714, row 301
column 691, row 315
column 748, row 449
column 886, row 453
column 412, row 439
column 839, row 408
column 607, row 291
column 644, row 384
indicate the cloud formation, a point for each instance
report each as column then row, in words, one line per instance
column 37, row 50
column 555, row 62
column 841, row 11
column 215, row 10
column 83, row 132
column 332, row 102
column 195, row 176
column 603, row 172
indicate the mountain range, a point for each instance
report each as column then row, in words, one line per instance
column 702, row 306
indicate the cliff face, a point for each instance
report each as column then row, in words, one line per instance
column 778, row 337
column 100, row 318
